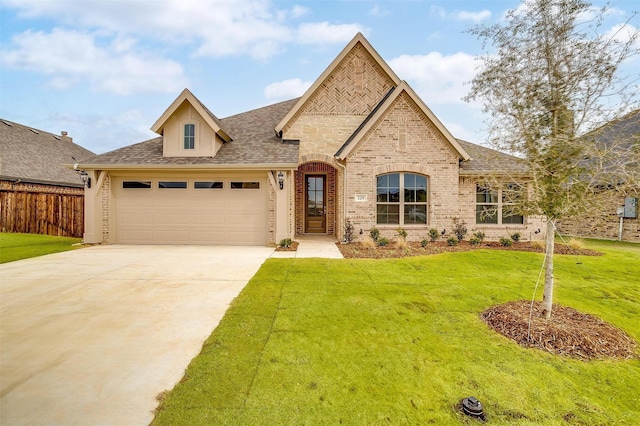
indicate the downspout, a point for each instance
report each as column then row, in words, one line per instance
column 344, row 196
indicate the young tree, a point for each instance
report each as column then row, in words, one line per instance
column 552, row 77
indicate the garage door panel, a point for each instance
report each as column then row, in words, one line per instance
column 191, row 216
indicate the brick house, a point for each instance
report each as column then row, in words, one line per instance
column 37, row 193
column 358, row 145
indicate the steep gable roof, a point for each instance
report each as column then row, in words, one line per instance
column 36, row 156
column 208, row 116
column 254, row 145
column 358, row 39
column 382, row 108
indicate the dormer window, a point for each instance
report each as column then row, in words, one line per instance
column 189, row 136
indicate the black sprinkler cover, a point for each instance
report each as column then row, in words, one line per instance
column 472, row 407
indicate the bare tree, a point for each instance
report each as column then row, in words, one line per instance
column 549, row 81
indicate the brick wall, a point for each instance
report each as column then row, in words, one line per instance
column 106, row 209
column 602, row 222
column 403, row 140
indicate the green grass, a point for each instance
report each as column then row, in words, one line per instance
column 23, row 246
column 368, row 342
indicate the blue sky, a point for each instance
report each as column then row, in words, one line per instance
column 105, row 70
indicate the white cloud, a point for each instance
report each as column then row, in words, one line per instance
column 320, row 33
column 378, row 11
column 472, row 16
column 436, row 78
column 287, row 89
column 72, row 56
column 257, row 28
column 460, row 15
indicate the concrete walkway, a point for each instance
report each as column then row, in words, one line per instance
column 91, row 336
column 323, row 246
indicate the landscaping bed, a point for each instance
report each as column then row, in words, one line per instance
column 568, row 332
column 367, row 251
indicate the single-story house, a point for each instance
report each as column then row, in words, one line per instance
column 622, row 139
column 37, row 193
column 359, row 145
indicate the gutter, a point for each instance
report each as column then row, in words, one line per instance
column 185, row 167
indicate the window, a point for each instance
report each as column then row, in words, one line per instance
column 245, row 185
column 189, row 136
column 172, row 185
column 134, row 184
column 495, row 206
column 401, row 199
column 207, row 185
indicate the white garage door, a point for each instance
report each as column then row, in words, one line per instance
column 194, row 210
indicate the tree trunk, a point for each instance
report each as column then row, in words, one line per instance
column 547, row 296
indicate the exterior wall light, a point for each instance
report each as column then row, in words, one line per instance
column 84, row 177
column 281, row 180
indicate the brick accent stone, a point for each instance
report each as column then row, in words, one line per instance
column 106, row 209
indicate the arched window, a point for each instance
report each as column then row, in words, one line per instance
column 189, row 136
column 401, row 199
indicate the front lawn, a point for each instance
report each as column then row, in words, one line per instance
column 15, row 246
column 400, row 341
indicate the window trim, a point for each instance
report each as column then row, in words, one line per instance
column 499, row 204
column 193, row 137
column 401, row 203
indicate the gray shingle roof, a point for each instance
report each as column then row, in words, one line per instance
column 254, row 143
column 34, row 155
column 487, row 161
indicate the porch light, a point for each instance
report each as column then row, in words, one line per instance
column 281, row 180
column 84, row 177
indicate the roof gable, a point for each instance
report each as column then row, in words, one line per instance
column 207, row 116
column 354, row 57
column 380, row 110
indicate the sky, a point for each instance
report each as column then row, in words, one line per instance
column 106, row 70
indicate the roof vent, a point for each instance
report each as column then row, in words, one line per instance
column 35, row 131
column 56, row 137
column 7, row 123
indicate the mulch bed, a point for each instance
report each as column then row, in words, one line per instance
column 359, row 250
column 568, row 333
column 292, row 247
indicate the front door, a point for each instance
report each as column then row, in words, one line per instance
column 316, row 208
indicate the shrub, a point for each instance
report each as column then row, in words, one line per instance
column 285, row 243
column 434, row 234
column 424, row 242
column 374, row 233
column 401, row 244
column 368, row 243
column 348, row 231
column 537, row 244
column 452, row 241
column 516, row 236
column 475, row 241
column 459, row 229
column 506, row 242
column 576, row 244
column 479, row 235
column 382, row 241
column 402, row 233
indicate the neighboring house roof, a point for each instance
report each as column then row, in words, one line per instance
column 254, row 144
column 359, row 38
column 36, row 156
column 489, row 161
column 382, row 108
column 208, row 116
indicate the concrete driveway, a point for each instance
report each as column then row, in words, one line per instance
column 90, row 337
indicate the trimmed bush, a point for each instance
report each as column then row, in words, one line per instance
column 506, row 242
column 382, row 241
column 452, row 241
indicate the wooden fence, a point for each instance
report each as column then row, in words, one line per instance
column 42, row 209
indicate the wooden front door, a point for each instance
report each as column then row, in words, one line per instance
column 316, row 204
